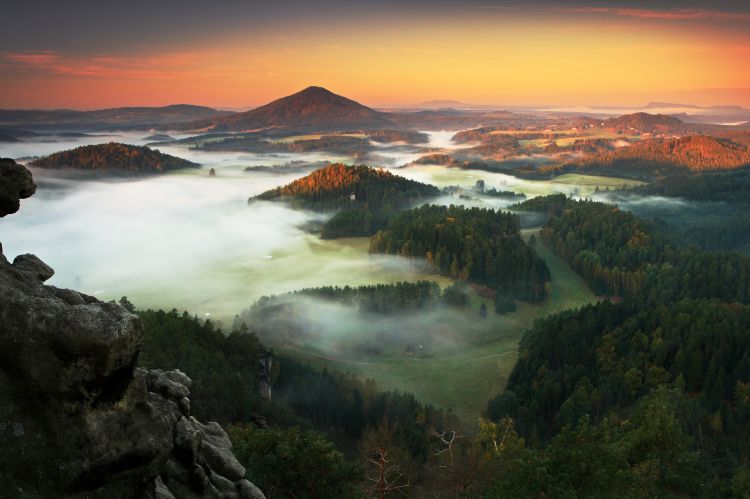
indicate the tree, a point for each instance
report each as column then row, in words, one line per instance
column 294, row 463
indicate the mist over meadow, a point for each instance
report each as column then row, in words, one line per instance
column 190, row 241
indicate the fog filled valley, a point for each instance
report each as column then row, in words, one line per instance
column 444, row 303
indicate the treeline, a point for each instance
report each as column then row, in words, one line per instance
column 494, row 193
column 475, row 244
column 114, row 156
column 338, row 186
column 380, row 298
column 377, row 298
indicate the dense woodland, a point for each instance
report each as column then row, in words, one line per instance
column 114, row 156
column 474, row 244
column 656, row 383
column 620, row 254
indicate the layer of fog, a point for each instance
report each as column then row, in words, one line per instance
column 345, row 332
column 639, row 203
column 190, row 241
column 184, row 239
column 398, row 154
column 441, row 176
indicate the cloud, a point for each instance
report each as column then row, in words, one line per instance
column 663, row 14
column 166, row 66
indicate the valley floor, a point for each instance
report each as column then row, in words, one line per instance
column 465, row 381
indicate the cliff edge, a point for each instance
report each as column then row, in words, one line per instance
column 77, row 418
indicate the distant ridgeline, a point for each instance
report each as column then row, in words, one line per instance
column 115, row 157
column 365, row 197
column 474, row 244
column 658, row 381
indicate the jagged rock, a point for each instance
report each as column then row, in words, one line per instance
column 77, row 418
column 184, row 405
column 187, row 439
column 161, row 382
column 15, row 184
column 32, row 263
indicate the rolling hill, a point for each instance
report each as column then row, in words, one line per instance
column 312, row 109
column 692, row 152
column 332, row 188
column 115, row 157
column 645, row 122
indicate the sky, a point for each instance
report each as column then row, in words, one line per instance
column 82, row 54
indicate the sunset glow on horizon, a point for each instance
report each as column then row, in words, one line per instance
column 576, row 55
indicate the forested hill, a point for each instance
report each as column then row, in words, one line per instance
column 646, row 122
column 332, row 188
column 693, row 153
column 481, row 245
column 114, row 156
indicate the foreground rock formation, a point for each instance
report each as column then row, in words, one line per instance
column 15, row 184
column 77, row 418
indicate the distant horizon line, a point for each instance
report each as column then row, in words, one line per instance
column 459, row 105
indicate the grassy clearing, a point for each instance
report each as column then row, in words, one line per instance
column 463, row 381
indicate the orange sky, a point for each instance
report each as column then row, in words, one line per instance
column 563, row 57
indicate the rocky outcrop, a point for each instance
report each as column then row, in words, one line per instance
column 15, row 184
column 78, row 419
